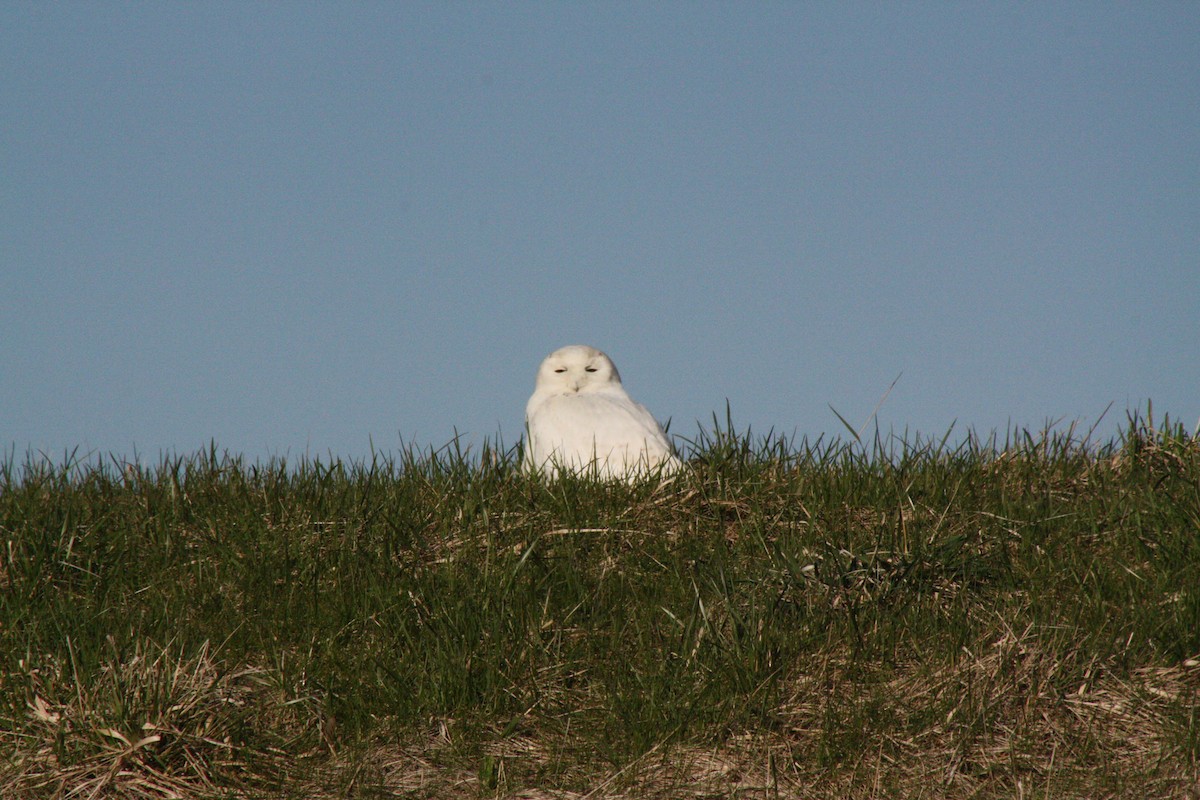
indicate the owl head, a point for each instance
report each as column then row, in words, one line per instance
column 576, row 369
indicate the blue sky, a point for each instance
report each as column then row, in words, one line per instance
column 303, row 228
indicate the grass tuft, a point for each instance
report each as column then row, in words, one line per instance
column 153, row 723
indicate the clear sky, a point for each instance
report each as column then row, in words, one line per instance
column 298, row 228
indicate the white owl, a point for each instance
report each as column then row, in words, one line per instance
column 580, row 417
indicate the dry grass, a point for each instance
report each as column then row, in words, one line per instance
column 153, row 725
column 1006, row 732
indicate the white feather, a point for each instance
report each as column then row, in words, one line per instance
column 581, row 418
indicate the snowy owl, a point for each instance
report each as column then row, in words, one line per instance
column 580, row 416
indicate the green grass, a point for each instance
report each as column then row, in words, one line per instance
column 997, row 619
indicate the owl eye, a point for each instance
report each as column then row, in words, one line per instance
column 561, row 369
column 589, row 369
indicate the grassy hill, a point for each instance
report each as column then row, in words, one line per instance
column 999, row 619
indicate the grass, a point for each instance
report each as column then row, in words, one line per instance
column 788, row 619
